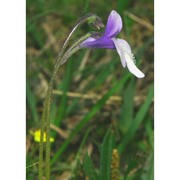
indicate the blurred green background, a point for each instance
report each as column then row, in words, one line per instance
column 97, row 104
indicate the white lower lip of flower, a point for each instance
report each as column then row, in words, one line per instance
column 132, row 67
column 119, row 49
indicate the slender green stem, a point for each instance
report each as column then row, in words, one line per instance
column 42, row 129
column 75, row 47
column 45, row 122
column 41, row 145
column 92, row 19
column 49, row 95
column 95, row 22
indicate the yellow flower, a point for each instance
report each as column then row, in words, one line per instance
column 36, row 135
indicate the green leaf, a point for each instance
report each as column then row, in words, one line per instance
column 106, row 153
column 150, row 131
column 35, row 35
column 89, row 169
column 100, row 103
column 77, row 163
column 123, row 5
column 148, row 172
column 137, row 121
column 127, row 107
column 31, row 101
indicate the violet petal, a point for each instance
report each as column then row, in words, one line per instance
column 114, row 24
column 103, row 42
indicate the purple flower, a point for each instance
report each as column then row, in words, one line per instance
column 109, row 41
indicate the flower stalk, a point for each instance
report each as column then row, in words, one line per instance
column 92, row 19
column 95, row 21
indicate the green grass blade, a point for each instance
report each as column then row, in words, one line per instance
column 89, row 169
column 106, row 153
column 150, row 132
column 31, row 101
column 127, row 107
column 100, row 103
column 148, row 172
column 79, row 153
column 102, row 73
column 123, row 5
column 138, row 120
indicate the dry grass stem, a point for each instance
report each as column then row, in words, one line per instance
column 62, row 133
column 96, row 96
column 140, row 21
